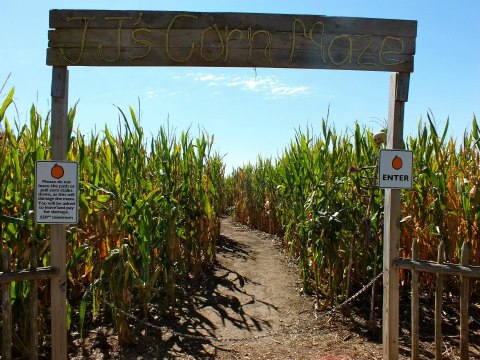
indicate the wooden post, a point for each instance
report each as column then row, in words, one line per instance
column 399, row 83
column 438, row 304
column 58, row 247
column 464, row 297
column 33, row 340
column 415, row 304
column 6, row 310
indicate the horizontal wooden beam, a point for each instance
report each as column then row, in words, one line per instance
column 23, row 275
column 237, row 58
column 434, row 267
column 184, row 38
column 155, row 38
column 109, row 19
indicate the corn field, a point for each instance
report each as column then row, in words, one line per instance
column 150, row 209
column 148, row 217
column 321, row 197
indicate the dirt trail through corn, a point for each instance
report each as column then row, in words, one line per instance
column 251, row 303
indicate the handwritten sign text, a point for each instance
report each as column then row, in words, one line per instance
column 135, row 38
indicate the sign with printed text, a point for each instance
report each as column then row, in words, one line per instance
column 56, row 192
column 395, row 170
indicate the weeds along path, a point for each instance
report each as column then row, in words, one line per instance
column 250, row 308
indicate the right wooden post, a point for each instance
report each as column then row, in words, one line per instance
column 464, row 299
column 438, row 304
column 415, row 304
column 399, row 84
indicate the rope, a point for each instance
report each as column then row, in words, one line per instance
column 360, row 292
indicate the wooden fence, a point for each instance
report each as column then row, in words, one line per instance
column 28, row 348
column 440, row 268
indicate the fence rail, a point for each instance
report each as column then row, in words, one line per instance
column 30, row 348
column 441, row 268
column 26, row 275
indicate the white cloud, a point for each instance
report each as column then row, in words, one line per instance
column 151, row 94
column 155, row 93
column 269, row 86
column 285, row 90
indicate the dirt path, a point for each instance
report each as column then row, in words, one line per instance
column 252, row 303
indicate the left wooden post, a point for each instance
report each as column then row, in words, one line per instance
column 7, row 329
column 58, row 245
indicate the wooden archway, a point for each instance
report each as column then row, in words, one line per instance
column 157, row 38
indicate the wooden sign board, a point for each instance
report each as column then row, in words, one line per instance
column 395, row 170
column 159, row 38
column 56, row 192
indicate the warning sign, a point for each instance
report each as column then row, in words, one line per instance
column 395, row 169
column 56, row 192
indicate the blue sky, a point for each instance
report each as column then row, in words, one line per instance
column 254, row 111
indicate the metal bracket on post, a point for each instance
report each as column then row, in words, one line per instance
column 58, row 246
column 399, row 84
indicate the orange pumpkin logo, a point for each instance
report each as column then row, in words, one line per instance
column 397, row 163
column 57, row 171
